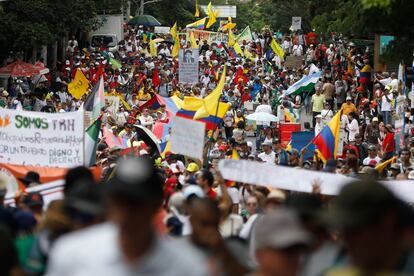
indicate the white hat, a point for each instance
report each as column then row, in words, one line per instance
column 5, row 93
column 411, row 175
column 319, row 116
column 375, row 119
column 348, row 98
column 193, row 190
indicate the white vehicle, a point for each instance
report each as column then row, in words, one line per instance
column 109, row 34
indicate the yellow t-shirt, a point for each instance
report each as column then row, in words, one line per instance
column 317, row 102
column 348, row 108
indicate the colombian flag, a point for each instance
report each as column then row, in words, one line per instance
column 327, row 140
column 192, row 104
column 172, row 104
column 198, row 25
column 365, row 74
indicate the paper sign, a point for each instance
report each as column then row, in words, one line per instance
column 342, row 138
column 188, row 66
column 187, row 137
column 41, row 139
column 296, row 23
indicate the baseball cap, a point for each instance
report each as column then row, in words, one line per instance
column 33, row 199
column 319, row 116
column 361, row 203
column 372, row 147
column 267, row 143
column 137, row 180
column 348, row 98
column 280, row 229
column 193, row 190
column 276, row 195
column 395, row 166
column 192, row 167
column 375, row 119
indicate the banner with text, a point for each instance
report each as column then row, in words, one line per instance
column 188, row 66
column 41, row 139
column 206, row 35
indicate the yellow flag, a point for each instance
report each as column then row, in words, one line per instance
column 153, row 52
column 231, row 38
column 193, row 42
column 238, row 49
column 230, row 25
column 276, row 48
column 173, row 30
column 380, row 167
column 176, row 47
column 211, row 16
column 144, row 38
column 197, row 12
column 79, row 85
column 211, row 102
column 247, row 54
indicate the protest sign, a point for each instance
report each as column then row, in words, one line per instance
column 281, row 177
column 296, row 23
column 161, row 30
column 113, row 103
column 188, row 66
column 300, row 180
column 300, row 139
column 41, row 139
column 187, row 137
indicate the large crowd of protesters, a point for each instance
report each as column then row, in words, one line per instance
column 172, row 215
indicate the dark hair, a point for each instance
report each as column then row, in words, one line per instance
column 240, row 124
column 76, row 175
column 207, row 175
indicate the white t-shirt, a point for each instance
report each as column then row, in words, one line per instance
column 268, row 158
column 264, row 108
column 367, row 161
column 385, row 105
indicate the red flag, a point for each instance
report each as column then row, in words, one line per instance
column 240, row 75
column 156, row 78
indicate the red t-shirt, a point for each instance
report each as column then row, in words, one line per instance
column 211, row 194
column 390, row 141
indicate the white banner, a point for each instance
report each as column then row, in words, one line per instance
column 300, row 180
column 296, row 23
column 281, row 177
column 187, row 137
column 41, row 139
column 188, row 66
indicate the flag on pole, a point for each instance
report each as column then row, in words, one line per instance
column 79, row 86
column 156, row 78
column 230, row 25
column 327, row 140
column 307, row 83
column 197, row 12
column 176, row 47
column 153, row 52
column 91, row 142
column 193, row 42
column 115, row 63
column 212, row 18
column 232, row 41
column 381, row 166
column 246, row 35
column 198, row 25
column 96, row 99
column 276, row 48
column 173, row 31
column 211, row 102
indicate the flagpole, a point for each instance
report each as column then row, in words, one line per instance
column 211, row 139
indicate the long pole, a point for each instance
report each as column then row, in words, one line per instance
column 211, row 140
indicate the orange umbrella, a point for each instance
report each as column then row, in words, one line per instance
column 19, row 69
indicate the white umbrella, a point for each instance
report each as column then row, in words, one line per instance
column 262, row 117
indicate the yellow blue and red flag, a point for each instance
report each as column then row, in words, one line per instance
column 327, row 140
